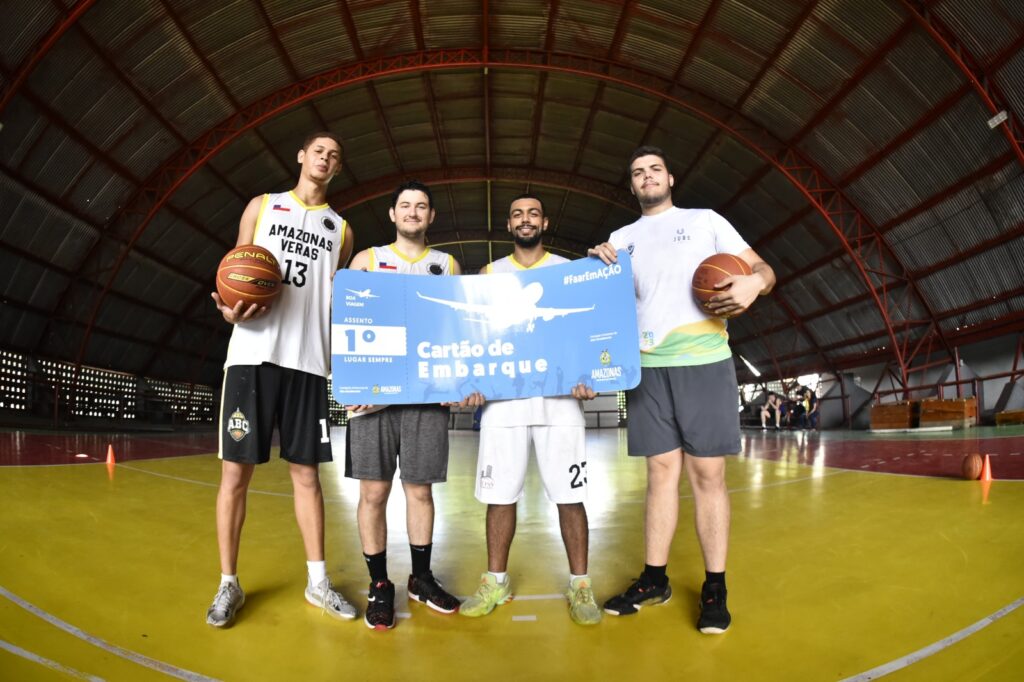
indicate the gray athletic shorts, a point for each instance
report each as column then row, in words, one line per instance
column 415, row 434
column 695, row 408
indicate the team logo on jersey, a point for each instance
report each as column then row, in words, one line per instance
column 606, row 358
column 435, row 269
column 238, row 425
column 629, row 249
column 328, row 224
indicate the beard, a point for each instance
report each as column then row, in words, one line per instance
column 649, row 200
column 527, row 242
column 411, row 235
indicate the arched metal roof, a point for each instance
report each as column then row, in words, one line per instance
column 848, row 141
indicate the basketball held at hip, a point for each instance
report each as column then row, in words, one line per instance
column 250, row 274
column 711, row 271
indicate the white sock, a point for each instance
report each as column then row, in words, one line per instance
column 574, row 577
column 317, row 571
column 500, row 577
column 233, row 579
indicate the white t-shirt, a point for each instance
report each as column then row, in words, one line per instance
column 536, row 411
column 295, row 332
column 666, row 249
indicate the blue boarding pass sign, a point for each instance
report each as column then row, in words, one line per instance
column 407, row 339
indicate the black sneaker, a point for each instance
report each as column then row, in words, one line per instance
column 428, row 590
column 641, row 593
column 714, row 617
column 380, row 607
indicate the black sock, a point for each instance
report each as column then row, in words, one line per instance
column 378, row 565
column 714, row 578
column 656, row 575
column 420, row 559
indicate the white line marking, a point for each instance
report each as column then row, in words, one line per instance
column 192, row 480
column 134, row 657
column 53, row 665
column 403, row 614
column 538, row 597
column 931, row 649
column 524, row 618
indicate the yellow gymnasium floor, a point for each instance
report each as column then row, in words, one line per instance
column 834, row 572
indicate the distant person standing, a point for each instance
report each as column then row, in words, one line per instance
column 770, row 409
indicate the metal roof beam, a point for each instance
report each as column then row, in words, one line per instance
column 808, row 180
column 41, row 49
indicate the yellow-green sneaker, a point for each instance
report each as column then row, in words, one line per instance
column 491, row 593
column 582, row 608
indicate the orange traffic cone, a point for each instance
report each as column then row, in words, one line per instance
column 110, row 454
column 986, row 470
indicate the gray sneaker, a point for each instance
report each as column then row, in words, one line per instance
column 332, row 603
column 225, row 605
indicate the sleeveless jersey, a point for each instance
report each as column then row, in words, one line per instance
column 295, row 332
column 430, row 262
column 536, row 411
column 389, row 259
column 666, row 249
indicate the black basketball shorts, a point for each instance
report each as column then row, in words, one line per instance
column 256, row 398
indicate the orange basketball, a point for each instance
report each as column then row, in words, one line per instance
column 972, row 467
column 249, row 274
column 713, row 270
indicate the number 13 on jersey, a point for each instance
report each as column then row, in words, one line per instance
column 358, row 339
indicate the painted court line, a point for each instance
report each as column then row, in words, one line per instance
column 52, row 665
column 945, row 643
column 524, row 618
column 134, row 657
column 538, row 597
column 192, row 480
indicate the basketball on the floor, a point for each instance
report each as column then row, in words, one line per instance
column 972, row 467
column 250, row 274
column 713, row 270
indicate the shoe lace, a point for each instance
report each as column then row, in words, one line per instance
column 328, row 597
column 639, row 586
column 222, row 601
column 582, row 596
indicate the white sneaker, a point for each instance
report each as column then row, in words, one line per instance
column 332, row 603
column 226, row 603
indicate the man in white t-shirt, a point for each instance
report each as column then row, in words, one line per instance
column 557, row 429
column 683, row 413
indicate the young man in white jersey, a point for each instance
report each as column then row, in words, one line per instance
column 377, row 436
column 276, row 371
column 557, row 429
column 683, row 413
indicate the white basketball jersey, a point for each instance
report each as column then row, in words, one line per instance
column 430, row 262
column 536, row 411
column 295, row 332
column 389, row 259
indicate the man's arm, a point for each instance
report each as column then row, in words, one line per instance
column 246, row 232
column 742, row 290
column 347, row 247
column 361, row 261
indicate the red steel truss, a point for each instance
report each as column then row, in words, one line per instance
column 857, row 237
